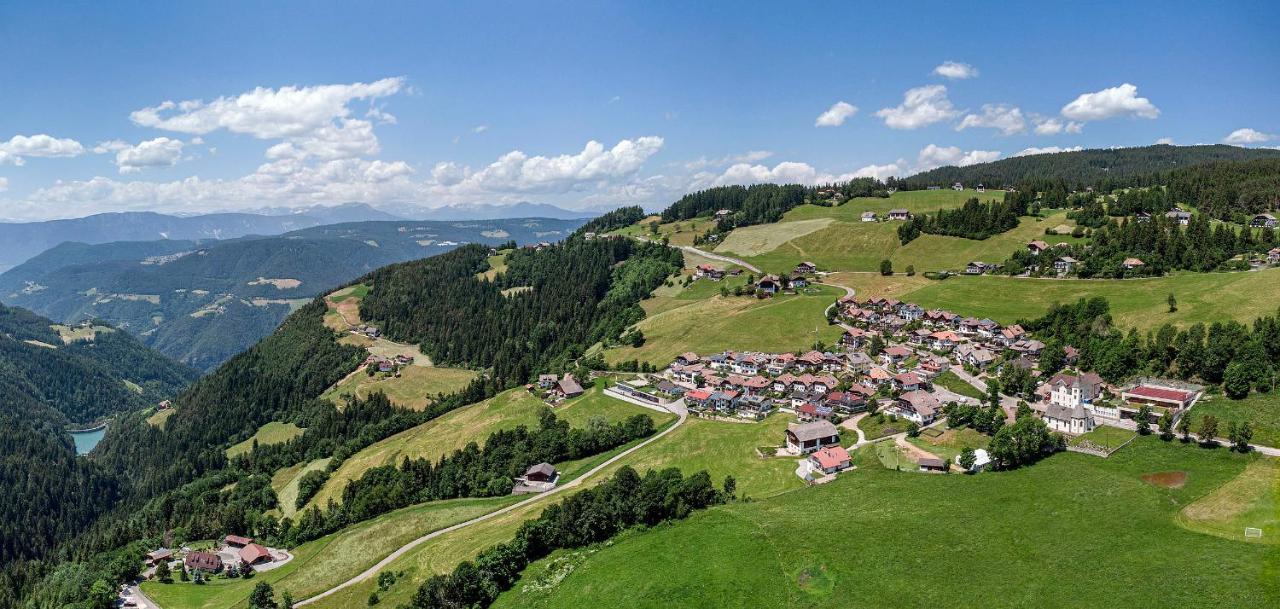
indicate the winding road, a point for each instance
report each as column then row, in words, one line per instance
column 676, row 407
column 706, row 254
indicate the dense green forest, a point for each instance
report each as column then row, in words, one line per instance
column 618, row 218
column 973, row 220
column 1103, row 169
column 758, row 204
column 1229, row 191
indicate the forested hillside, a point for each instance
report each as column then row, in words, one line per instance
column 1103, row 169
column 583, row 291
column 47, row 493
column 203, row 301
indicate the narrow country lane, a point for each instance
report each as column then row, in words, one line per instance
column 676, row 407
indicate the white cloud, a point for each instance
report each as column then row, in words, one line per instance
column 375, row 112
column 1240, row 137
column 934, row 156
column 159, row 152
column 291, row 181
column 1165, row 140
column 349, row 137
column 751, row 156
column 4, row 184
column 19, row 147
column 955, row 70
column 479, row 128
column 1046, row 150
column 881, row 172
column 1110, row 103
column 920, row 107
column 1054, row 126
column 836, row 115
column 1002, row 117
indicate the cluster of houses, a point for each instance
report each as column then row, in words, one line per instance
column 1076, row 404
column 237, row 551
column 388, row 364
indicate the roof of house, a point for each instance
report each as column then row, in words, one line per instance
column 831, row 456
column 898, row 212
column 812, row 431
column 697, row 395
column 921, row 401
column 207, row 561
column 689, row 356
column 1037, row 244
column 930, row 462
column 570, row 385
column 160, row 554
column 1132, row 262
column 253, row 552
column 907, row 378
column 1161, row 393
column 897, row 351
column 238, row 540
column 543, row 468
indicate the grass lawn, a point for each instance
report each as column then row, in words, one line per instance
column 330, row 560
column 1140, row 303
column 710, row 324
column 344, row 307
column 879, row 425
column 958, row 385
column 1261, row 410
column 678, row 233
column 1105, row 436
column 951, row 442
column 274, row 432
column 474, row 423
column 1078, row 513
column 894, row 457
column 497, row 264
column 1252, row 499
column 285, row 484
column 415, row 388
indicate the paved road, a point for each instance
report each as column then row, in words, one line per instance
column 849, row 292
column 676, row 407
column 706, row 254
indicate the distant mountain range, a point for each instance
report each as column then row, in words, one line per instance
column 200, row 301
column 22, row 240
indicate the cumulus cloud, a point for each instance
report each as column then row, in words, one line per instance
column 955, row 70
column 1006, row 119
column 836, row 115
column 881, row 172
column 1046, row 150
column 4, row 184
column 1239, row 137
column 920, row 107
column 312, row 121
column 159, row 152
column 516, row 171
column 750, row 156
column 1110, row 103
column 19, row 147
column 1165, row 140
column 1054, row 126
column 934, row 156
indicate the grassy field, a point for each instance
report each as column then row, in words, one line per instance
column 835, row 238
column 900, row 546
column 952, row 442
column 497, row 264
column 707, row 324
column 415, row 388
column 70, row 334
column 274, row 432
column 344, row 307
column 1141, row 303
column 1105, row 436
column 285, row 483
column 474, row 423
column 958, row 385
column 159, row 417
column 678, row 233
column 1252, row 499
column 1260, row 410
column 876, row 426
column 330, row 560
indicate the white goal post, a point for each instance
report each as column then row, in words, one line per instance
column 1252, row 533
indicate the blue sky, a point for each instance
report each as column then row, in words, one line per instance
column 189, row 107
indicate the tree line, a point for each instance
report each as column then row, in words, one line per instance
column 589, row 516
column 973, row 220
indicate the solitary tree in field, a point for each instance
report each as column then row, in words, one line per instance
column 163, row 575
column 886, row 267
column 911, row 270
column 1166, row 426
column 1244, row 434
column 1184, row 428
column 967, row 459
column 1144, row 420
column 730, row 487
column 263, row 597
column 1173, row 303
column 1208, row 429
